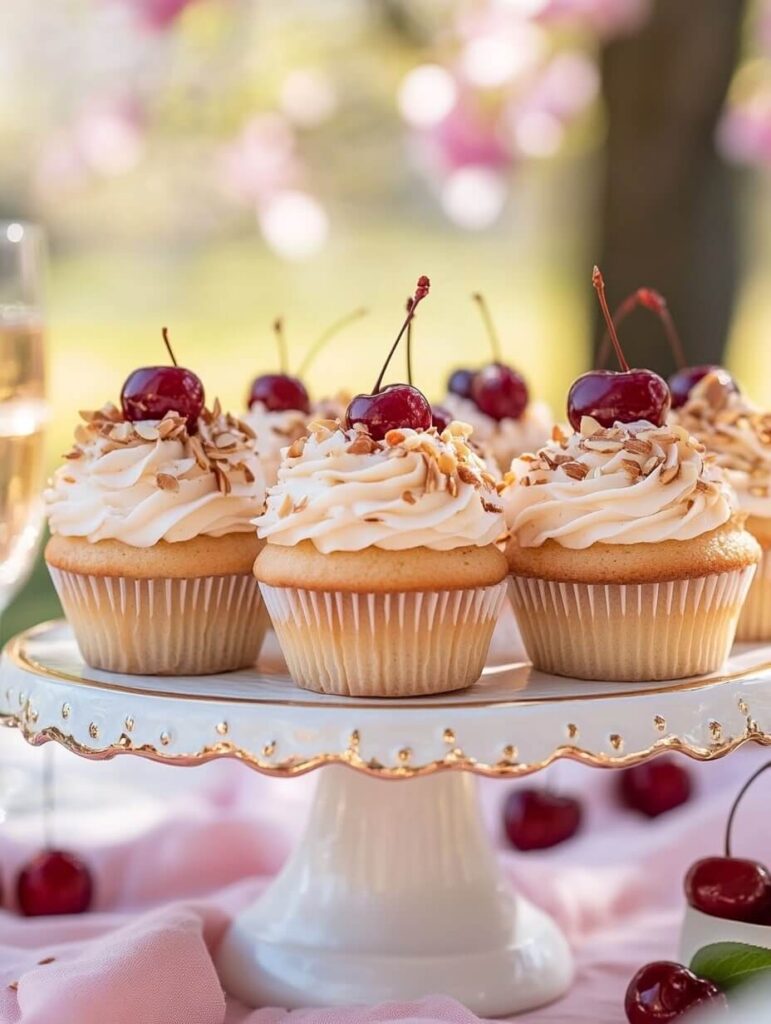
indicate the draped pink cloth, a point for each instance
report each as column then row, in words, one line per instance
column 144, row 955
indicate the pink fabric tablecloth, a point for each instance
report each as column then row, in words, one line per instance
column 144, row 955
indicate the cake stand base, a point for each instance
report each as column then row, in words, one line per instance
column 394, row 893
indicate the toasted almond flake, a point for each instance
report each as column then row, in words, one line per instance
column 372, row 519
column 467, row 475
column 225, row 440
column 703, row 486
column 223, row 480
column 146, row 431
column 409, row 497
column 638, row 446
column 167, row 482
column 302, row 503
column 575, row 470
column 69, row 479
column 216, row 409
column 669, row 474
column 196, row 449
column 558, row 434
column 633, row 468
column 460, row 429
column 74, row 454
column 296, row 448
column 489, row 506
column 452, row 486
column 525, row 481
column 286, row 507
column 490, row 480
column 46, row 960
column 362, row 444
column 604, row 445
column 394, row 437
column 653, row 463
column 448, row 464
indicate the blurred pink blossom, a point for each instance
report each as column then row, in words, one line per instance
column 467, row 136
column 605, row 17
column 744, row 133
column 262, row 161
column 159, row 14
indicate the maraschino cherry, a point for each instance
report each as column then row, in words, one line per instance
column 685, row 378
column 280, row 392
column 655, row 787
column 283, row 392
column 731, row 887
column 663, row 991
column 397, row 405
column 153, row 391
column 536, row 819
column 609, row 396
column 54, row 882
column 497, row 390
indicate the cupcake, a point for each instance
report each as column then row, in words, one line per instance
column 279, row 405
column 495, row 401
column 739, row 437
column 627, row 558
column 380, row 570
column 152, row 545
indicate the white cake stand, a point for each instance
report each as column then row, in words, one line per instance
column 394, row 890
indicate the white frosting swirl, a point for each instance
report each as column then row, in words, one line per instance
column 502, row 440
column 344, row 492
column 274, row 431
column 739, row 436
column 631, row 484
column 144, row 491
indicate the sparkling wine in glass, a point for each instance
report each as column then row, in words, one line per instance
column 23, row 409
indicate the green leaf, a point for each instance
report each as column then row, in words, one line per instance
column 729, row 964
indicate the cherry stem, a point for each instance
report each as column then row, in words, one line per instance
column 278, row 330
column 327, row 335
column 737, row 801
column 599, row 286
column 650, row 299
column 409, row 343
column 167, row 343
column 421, row 291
column 495, row 341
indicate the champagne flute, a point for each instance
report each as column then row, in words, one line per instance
column 23, row 409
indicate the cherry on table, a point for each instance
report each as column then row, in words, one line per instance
column 536, row 819
column 153, row 391
column 730, row 887
column 280, row 392
column 684, row 380
column 54, row 882
column 655, row 787
column 460, row 382
column 661, row 992
column 609, row 396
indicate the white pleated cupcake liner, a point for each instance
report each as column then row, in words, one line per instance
column 194, row 626
column 755, row 619
column 634, row 632
column 401, row 644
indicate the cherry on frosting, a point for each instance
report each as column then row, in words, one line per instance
column 460, row 382
column 731, row 887
column 151, row 392
column 497, row 390
column 663, row 991
column 54, row 882
column 397, row 405
column 280, row 392
column 684, row 380
column 609, row 396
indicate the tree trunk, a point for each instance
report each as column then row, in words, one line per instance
column 669, row 210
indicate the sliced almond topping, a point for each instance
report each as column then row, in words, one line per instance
column 286, row 507
column 669, row 474
column 75, row 453
column 302, row 503
column 448, row 464
column 468, row 476
column 653, row 463
column 296, row 448
column 223, row 480
column 394, row 437
column 409, row 497
column 362, row 444
column 146, row 431
column 489, row 506
column 638, row 446
column 632, row 468
column 167, row 482
column 575, row 470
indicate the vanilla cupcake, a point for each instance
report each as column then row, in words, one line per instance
column 739, row 436
column 152, row 544
column 627, row 560
column 380, row 570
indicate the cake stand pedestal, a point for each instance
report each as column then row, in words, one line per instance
column 394, row 891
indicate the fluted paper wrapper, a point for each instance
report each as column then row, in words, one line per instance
column 630, row 632
column 194, row 626
column 755, row 619
column 384, row 645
